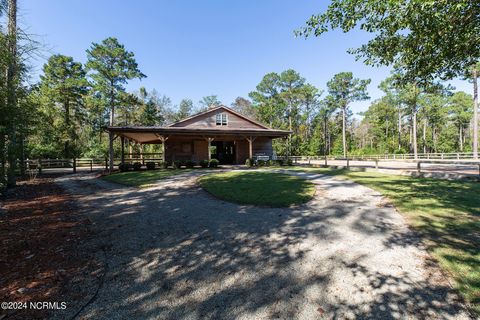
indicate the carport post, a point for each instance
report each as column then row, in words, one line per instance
column 163, row 139
column 122, row 139
column 110, row 151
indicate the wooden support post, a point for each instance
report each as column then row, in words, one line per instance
column 106, row 163
column 376, row 164
column 110, row 151
column 348, row 163
column 326, row 164
column 418, row 167
column 163, row 139
column 209, row 144
column 74, row 165
column 250, row 146
column 91, row 165
column 122, row 140
column 141, row 154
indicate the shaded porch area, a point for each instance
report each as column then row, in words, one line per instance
column 227, row 146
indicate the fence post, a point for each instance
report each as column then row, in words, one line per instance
column 418, row 166
column 106, row 163
column 39, row 166
column 74, row 165
column 326, row 161
column 376, row 164
column 91, row 165
column 348, row 164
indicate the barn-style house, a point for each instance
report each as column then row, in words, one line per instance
column 218, row 133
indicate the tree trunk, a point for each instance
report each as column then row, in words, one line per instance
column 344, row 139
column 110, row 135
column 67, row 125
column 11, row 92
column 424, row 135
column 414, row 133
column 325, row 136
column 475, row 112
column 399, row 129
column 460, row 140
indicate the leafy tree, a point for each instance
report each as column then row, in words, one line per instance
column 460, row 112
column 421, row 39
column 344, row 89
column 185, row 109
column 245, row 107
column 63, row 85
column 111, row 66
column 208, row 102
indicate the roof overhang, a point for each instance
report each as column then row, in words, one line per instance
column 153, row 134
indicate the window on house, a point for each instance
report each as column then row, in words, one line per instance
column 221, row 119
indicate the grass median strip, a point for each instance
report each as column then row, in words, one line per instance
column 258, row 188
column 446, row 212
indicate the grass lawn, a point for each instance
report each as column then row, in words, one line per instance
column 258, row 188
column 447, row 213
column 143, row 179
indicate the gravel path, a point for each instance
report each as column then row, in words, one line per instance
column 175, row 252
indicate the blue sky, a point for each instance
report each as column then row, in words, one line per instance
column 190, row 49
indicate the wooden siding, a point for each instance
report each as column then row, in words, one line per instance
column 208, row 120
column 197, row 149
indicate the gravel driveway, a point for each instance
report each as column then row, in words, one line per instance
column 174, row 252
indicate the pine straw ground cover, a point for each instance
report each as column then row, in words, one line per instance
column 41, row 236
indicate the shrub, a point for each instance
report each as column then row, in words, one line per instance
column 214, row 163
column 261, row 163
column 150, row 165
column 137, row 166
column 270, row 163
column 204, row 163
column 163, row 164
column 279, row 162
column 177, row 164
column 249, row 162
column 124, row 166
column 190, row 163
column 289, row 162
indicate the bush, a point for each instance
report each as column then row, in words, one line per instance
column 137, row 166
column 150, row 165
column 214, row 163
column 123, row 167
column 249, row 162
column 163, row 164
column 190, row 164
column 261, row 163
column 204, row 163
column 270, row 163
column 177, row 164
column 289, row 162
column 279, row 162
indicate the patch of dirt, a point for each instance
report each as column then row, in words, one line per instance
column 41, row 236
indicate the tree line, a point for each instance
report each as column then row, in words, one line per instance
column 65, row 113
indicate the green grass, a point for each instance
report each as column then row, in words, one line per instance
column 143, row 179
column 258, row 188
column 447, row 213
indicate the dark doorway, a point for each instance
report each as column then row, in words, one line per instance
column 223, row 151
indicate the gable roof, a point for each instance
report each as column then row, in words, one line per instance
column 215, row 109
